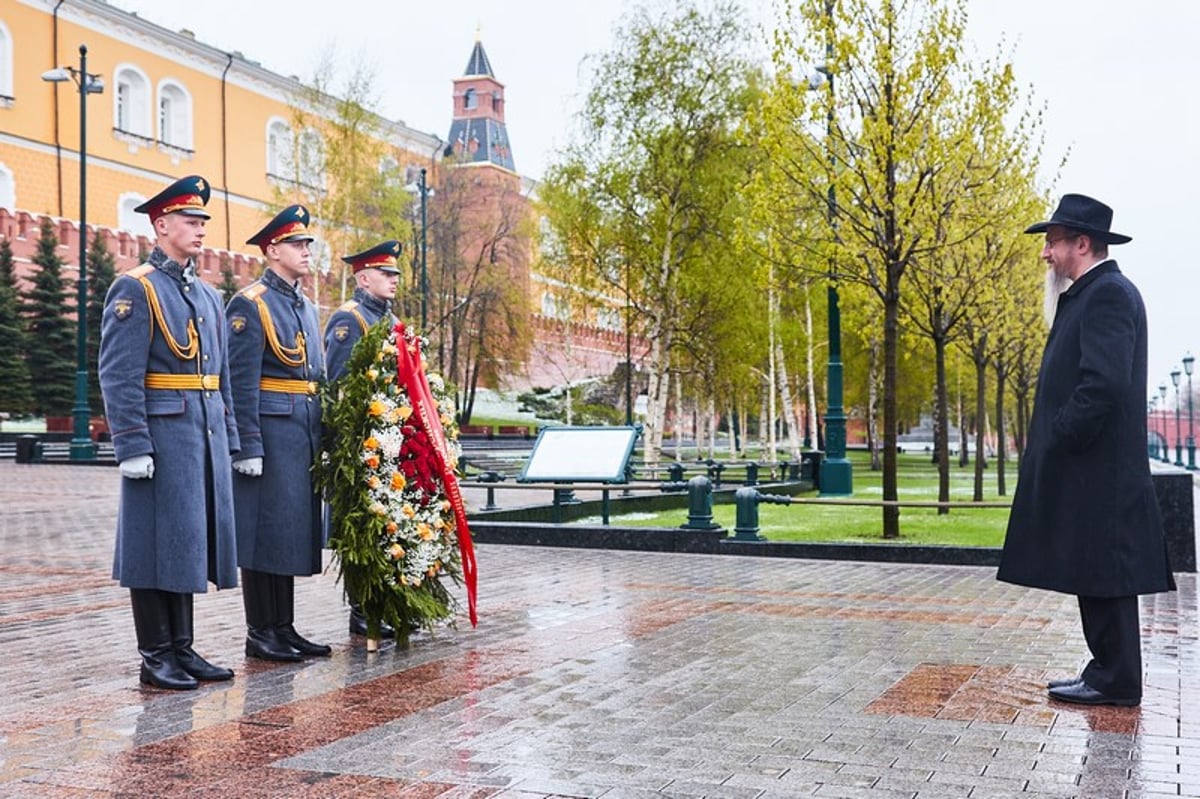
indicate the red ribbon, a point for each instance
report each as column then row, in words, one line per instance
column 411, row 375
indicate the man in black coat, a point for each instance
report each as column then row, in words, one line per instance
column 1085, row 519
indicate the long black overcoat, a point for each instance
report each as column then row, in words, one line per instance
column 1085, row 519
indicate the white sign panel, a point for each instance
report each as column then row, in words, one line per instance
column 583, row 454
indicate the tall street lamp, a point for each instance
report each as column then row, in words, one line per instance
column 1175, row 373
column 1166, row 449
column 1188, row 362
column 1152, row 446
column 628, row 350
column 82, row 447
column 837, row 477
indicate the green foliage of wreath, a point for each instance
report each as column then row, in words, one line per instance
column 393, row 541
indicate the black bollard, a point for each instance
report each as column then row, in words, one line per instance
column 700, row 505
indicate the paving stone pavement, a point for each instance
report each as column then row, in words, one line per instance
column 592, row 674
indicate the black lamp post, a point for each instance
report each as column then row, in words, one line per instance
column 423, row 188
column 1175, row 373
column 82, row 447
column 1152, row 447
column 1188, row 362
column 837, row 476
column 1166, row 449
column 628, row 350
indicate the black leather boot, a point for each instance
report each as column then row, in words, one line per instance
column 182, row 618
column 262, row 637
column 285, row 612
column 152, row 621
column 358, row 624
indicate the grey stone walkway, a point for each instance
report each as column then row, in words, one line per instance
column 592, row 673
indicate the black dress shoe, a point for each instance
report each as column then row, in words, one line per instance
column 287, row 633
column 358, row 625
column 1067, row 683
column 1083, row 694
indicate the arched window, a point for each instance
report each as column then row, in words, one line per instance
column 130, row 220
column 310, row 155
column 6, row 66
column 131, row 101
column 279, row 149
column 470, row 100
column 174, row 115
column 8, row 188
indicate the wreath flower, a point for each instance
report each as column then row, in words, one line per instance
column 397, row 525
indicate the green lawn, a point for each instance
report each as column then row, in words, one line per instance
column 917, row 481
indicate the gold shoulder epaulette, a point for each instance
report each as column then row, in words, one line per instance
column 140, row 271
column 348, row 305
column 253, row 291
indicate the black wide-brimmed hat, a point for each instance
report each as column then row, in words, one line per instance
column 1082, row 213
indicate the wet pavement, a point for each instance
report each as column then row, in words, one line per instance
column 592, row 673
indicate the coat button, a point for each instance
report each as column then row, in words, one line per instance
column 210, row 431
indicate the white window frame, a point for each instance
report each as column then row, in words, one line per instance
column 310, row 150
column 131, row 221
column 280, row 149
column 175, row 132
column 6, row 66
column 137, row 119
column 8, row 188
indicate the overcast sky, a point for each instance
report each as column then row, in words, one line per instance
column 1118, row 79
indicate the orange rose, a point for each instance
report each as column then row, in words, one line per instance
column 396, row 552
column 408, row 511
column 372, row 482
column 398, row 482
column 392, row 527
column 375, row 408
column 371, row 443
column 373, row 461
column 425, row 531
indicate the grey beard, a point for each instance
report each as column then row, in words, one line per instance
column 1054, row 285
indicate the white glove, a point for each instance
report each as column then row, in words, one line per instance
column 251, row 467
column 139, row 467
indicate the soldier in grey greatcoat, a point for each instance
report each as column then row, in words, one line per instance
column 165, row 379
column 1085, row 519
column 376, row 276
column 276, row 364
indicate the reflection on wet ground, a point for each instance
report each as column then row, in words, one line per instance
column 592, row 673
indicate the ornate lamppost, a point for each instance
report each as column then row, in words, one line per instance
column 837, row 476
column 1188, row 362
column 82, row 447
column 1166, row 449
column 1175, row 374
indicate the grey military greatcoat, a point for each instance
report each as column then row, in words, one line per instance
column 276, row 363
column 347, row 325
column 161, row 326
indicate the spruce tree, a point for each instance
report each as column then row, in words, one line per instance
column 102, row 270
column 228, row 285
column 16, row 397
column 51, row 330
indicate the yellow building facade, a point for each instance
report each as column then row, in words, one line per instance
column 170, row 106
